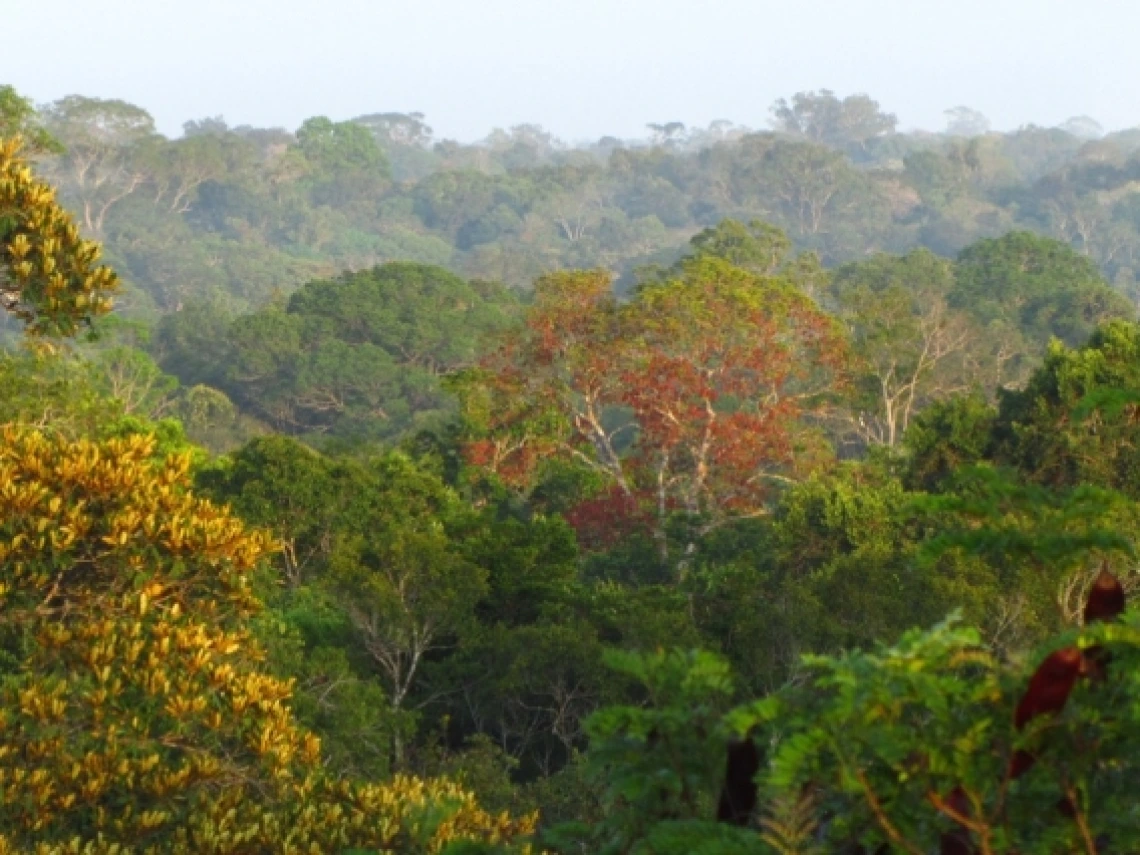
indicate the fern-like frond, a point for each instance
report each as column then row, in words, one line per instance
column 789, row 825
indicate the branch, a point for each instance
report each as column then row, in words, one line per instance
column 882, row 818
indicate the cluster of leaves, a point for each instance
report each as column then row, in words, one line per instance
column 359, row 355
column 49, row 276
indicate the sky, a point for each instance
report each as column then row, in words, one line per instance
column 581, row 68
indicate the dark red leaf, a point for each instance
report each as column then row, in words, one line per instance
column 1106, row 598
column 1050, row 685
column 956, row 842
column 958, row 802
column 738, row 796
column 1020, row 763
column 1065, row 805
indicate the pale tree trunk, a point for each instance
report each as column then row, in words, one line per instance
column 398, row 659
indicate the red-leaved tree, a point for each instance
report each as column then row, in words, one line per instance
column 688, row 400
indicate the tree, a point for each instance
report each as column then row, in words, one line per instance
column 577, row 202
column 911, row 346
column 346, row 161
column 179, row 168
column 946, row 436
column 823, row 118
column 686, row 400
column 844, row 573
column 211, row 419
column 405, row 584
column 398, row 591
column 758, row 247
column 528, row 688
column 1065, row 428
column 102, row 139
column 131, row 376
column 49, row 277
column 805, row 178
column 403, row 580
column 1036, row 151
column 965, row 122
column 362, row 355
column 832, row 568
column 392, row 129
column 1081, row 220
column 211, row 125
column 300, row 496
column 339, row 146
column 421, row 315
column 126, row 372
column 193, row 342
column 725, row 364
column 668, row 134
column 265, row 346
column 527, row 669
column 1083, row 127
column 135, row 708
column 1034, row 288
column 406, row 138
column 523, row 146
column 939, row 180
column 656, row 763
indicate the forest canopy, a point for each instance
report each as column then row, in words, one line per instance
column 728, row 491
column 238, row 214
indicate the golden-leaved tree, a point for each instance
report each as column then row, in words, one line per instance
column 133, row 710
column 50, row 277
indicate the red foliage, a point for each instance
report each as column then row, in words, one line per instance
column 956, row 842
column 959, row 802
column 1053, row 681
column 603, row 521
column 717, row 383
column 1066, row 806
column 1106, row 598
column 709, row 375
column 1050, row 686
column 480, row 452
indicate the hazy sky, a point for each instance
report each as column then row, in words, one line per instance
column 582, row 68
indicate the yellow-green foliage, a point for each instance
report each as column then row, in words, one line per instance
column 49, row 276
column 134, row 713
